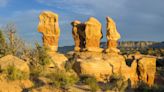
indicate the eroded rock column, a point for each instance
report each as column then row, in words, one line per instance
column 78, row 32
column 93, row 32
column 112, row 36
column 49, row 27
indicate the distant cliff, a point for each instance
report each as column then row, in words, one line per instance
column 124, row 44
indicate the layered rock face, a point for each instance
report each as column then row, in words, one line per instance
column 49, row 27
column 87, row 35
column 112, row 36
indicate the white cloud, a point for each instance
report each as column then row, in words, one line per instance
column 3, row 3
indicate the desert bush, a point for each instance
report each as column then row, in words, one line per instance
column 43, row 58
column 61, row 79
column 91, row 82
column 2, row 44
column 15, row 74
column 69, row 64
column 117, row 83
column 142, row 87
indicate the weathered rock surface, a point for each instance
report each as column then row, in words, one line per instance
column 93, row 32
column 78, row 32
column 112, row 36
column 49, row 27
column 59, row 60
column 102, row 66
column 10, row 60
column 147, row 69
column 14, row 86
column 98, row 65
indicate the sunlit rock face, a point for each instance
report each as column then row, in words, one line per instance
column 112, row 36
column 147, row 70
column 93, row 31
column 49, row 27
column 87, row 35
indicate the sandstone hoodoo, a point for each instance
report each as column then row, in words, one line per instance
column 102, row 66
column 78, row 32
column 112, row 36
column 49, row 27
column 93, row 31
column 87, row 35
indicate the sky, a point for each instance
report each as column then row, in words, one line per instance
column 136, row 20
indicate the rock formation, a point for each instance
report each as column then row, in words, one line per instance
column 93, row 32
column 112, row 36
column 50, row 30
column 78, row 32
column 103, row 65
column 147, row 69
column 49, row 27
column 17, row 63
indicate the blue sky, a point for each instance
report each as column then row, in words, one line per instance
column 135, row 19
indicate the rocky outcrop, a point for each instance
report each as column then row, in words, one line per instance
column 147, row 70
column 10, row 60
column 99, row 65
column 103, row 65
column 49, row 27
column 112, row 36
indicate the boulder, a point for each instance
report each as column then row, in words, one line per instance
column 49, row 27
column 10, row 60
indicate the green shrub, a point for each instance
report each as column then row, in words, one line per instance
column 16, row 74
column 61, row 79
column 92, row 82
column 142, row 87
column 117, row 83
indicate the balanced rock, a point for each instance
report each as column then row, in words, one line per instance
column 49, row 27
column 93, row 32
column 112, row 36
column 78, row 32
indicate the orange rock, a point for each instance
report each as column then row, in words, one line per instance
column 112, row 36
column 147, row 69
column 49, row 27
column 78, row 32
column 93, row 32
